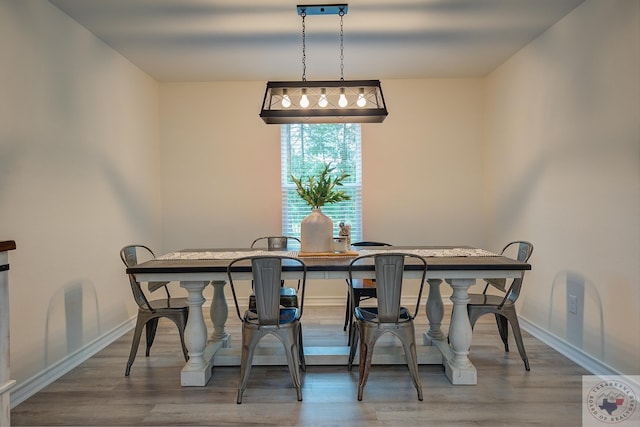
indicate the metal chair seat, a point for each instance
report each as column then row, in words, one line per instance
column 370, row 314
column 288, row 298
column 168, row 304
column 287, row 315
column 482, row 299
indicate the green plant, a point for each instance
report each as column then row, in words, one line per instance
column 321, row 190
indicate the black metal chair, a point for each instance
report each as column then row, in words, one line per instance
column 363, row 289
column 174, row 309
column 503, row 306
column 288, row 295
column 269, row 317
column 388, row 316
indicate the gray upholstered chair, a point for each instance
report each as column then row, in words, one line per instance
column 268, row 317
column 388, row 316
column 174, row 309
column 288, row 295
column 503, row 305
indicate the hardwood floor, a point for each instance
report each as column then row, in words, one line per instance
column 98, row 393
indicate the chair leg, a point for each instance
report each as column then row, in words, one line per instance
column 180, row 321
column 303, row 363
column 351, row 337
column 137, row 333
column 347, row 313
column 408, row 340
column 473, row 316
column 152, row 326
column 503, row 329
column 249, row 341
column 368, row 341
column 354, row 303
column 293, row 359
column 517, row 335
column 353, row 331
column 185, row 352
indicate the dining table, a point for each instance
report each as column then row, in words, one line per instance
column 459, row 267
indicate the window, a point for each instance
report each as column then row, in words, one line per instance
column 305, row 150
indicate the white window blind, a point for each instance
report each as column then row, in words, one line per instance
column 305, row 150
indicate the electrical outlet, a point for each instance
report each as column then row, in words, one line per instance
column 572, row 304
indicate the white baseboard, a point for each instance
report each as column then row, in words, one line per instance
column 576, row 355
column 25, row 389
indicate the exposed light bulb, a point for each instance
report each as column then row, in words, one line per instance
column 286, row 101
column 304, row 99
column 362, row 101
column 323, row 101
column 342, row 101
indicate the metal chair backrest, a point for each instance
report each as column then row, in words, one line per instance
column 389, row 273
column 275, row 242
column 370, row 243
column 524, row 251
column 361, row 244
column 267, row 275
column 129, row 256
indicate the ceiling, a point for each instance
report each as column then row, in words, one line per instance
column 205, row 40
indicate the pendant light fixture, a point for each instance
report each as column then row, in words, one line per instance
column 331, row 101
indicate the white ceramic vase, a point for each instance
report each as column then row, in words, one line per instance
column 316, row 232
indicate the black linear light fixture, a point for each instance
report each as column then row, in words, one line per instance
column 331, row 101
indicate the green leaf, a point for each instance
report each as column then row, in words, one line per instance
column 321, row 190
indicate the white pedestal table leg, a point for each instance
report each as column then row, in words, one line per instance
column 458, row 367
column 219, row 313
column 197, row 371
column 435, row 312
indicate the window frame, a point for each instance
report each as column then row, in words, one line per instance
column 351, row 211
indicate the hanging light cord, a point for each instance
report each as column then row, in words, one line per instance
column 304, row 48
column 341, row 44
column 303, row 14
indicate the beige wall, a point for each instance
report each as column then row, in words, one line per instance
column 78, row 180
column 563, row 171
column 422, row 167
